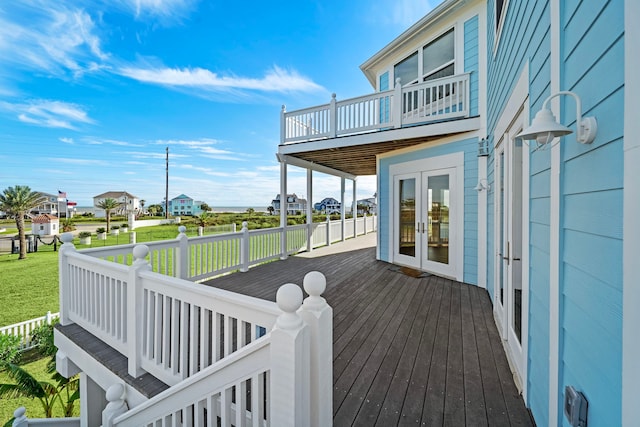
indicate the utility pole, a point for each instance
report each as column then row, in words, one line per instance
column 166, row 189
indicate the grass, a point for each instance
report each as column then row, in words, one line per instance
column 38, row 369
column 29, row 286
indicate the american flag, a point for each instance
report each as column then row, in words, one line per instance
column 61, row 196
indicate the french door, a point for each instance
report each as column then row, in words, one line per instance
column 426, row 220
column 509, row 306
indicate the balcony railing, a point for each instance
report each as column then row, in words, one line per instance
column 230, row 359
column 424, row 102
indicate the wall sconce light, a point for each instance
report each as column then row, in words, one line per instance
column 483, row 185
column 545, row 128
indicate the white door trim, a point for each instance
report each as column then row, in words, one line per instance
column 453, row 160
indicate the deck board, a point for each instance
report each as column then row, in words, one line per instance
column 407, row 351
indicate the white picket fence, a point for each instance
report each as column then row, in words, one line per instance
column 25, row 329
column 228, row 357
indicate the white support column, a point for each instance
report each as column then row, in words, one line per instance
column 396, row 110
column 482, row 224
column 135, row 312
column 309, row 210
column 291, row 362
column 354, row 211
column 63, row 275
column 283, row 210
column 92, row 402
column 343, row 208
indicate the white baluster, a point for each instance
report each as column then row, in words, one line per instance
column 244, row 248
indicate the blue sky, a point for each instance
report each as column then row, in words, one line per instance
column 91, row 92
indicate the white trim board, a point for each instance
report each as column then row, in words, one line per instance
column 631, row 212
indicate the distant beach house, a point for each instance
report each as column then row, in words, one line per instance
column 128, row 202
column 295, row 205
column 328, row 205
column 368, row 206
column 49, row 205
column 184, row 205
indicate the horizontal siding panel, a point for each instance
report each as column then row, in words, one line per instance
column 599, row 257
column 540, row 209
column 588, row 33
column 592, row 295
column 539, row 238
column 598, row 170
column 540, row 184
column 595, row 213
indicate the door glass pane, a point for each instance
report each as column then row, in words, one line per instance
column 407, row 217
column 438, row 218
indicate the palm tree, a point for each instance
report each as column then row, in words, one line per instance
column 141, row 211
column 18, row 201
column 108, row 205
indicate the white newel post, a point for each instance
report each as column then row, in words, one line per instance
column 117, row 404
column 63, row 274
column 182, row 261
column 20, row 417
column 244, row 248
column 333, row 117
column 283, row 124
column 319, row 316
column 364, row 222
column 328, row 230
column 397, row 105
column 290, row 375
column 135, row 312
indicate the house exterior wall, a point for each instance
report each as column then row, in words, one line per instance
column 469, row 147
column 590, row 178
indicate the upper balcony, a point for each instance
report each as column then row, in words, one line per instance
column 382, row 121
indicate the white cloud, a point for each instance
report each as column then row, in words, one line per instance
column 66, row 140
column 51, row 37
column 48, row 113
column 163, row 11
column 274, row 80
column 400, row 13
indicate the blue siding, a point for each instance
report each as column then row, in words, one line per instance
column 470, row 149
column 592, row 199
column 471, row 61
column 384, row 81
column 525, row 38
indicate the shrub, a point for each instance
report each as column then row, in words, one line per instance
column 42, row 337
column 124, row 226
column 84, row 234
column 100, row 230
column 115, row 227
column 9, row 349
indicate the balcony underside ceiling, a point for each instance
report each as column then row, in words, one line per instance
column 356, row 154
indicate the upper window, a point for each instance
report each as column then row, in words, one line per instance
column 407, row 70
column 438, row 60
column 438, row 57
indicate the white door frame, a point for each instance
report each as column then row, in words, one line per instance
column 454, row 160
column 512, row 265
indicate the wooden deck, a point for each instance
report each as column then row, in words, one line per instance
column 407, row 351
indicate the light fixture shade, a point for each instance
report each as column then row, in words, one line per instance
column 544, row 127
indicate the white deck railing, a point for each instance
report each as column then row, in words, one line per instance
column 203, row 257
column 26, row 328
column 433, row 100
column 227, row 356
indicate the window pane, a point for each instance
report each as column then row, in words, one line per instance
column 407, row 70
column 438, row 52
column 446, row 71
